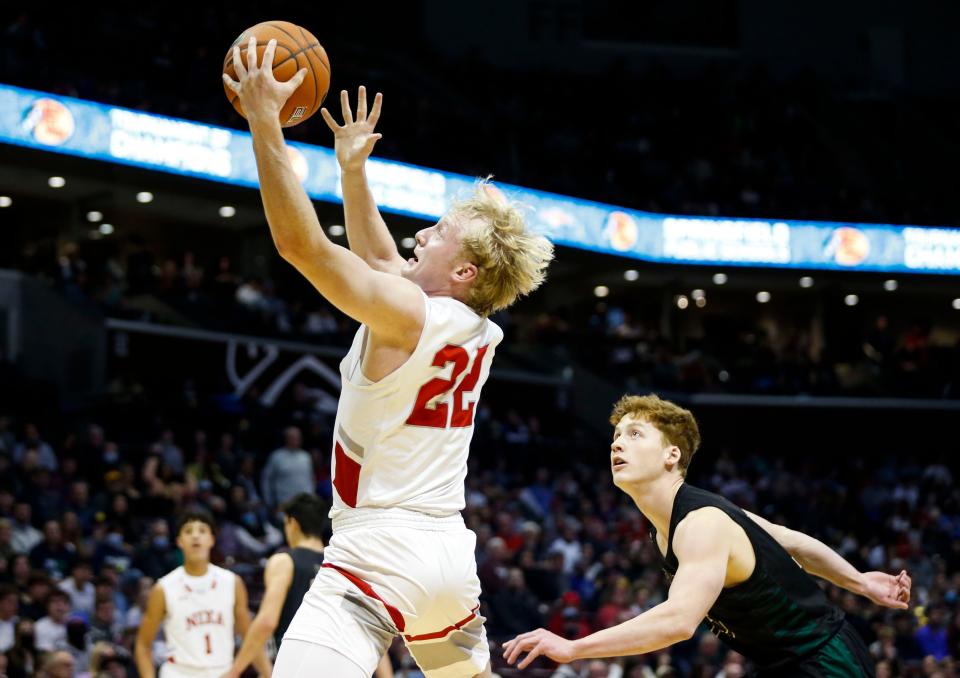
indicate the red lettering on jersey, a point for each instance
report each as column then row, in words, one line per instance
column 204, row 617
column 346, row 477
column 436, row 416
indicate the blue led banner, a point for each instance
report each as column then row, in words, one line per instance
column 81, row 128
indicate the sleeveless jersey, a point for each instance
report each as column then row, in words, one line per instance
column 306, row 563
column 199, row 622
column 403, row 441
column 779, row 614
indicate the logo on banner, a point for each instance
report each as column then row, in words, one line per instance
column 848, row 246
column 621, row 229
column 49, row 122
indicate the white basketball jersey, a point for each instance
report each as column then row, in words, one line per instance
column 199, row 623
column 404, row 440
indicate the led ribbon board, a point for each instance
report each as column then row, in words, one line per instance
column 86, row 129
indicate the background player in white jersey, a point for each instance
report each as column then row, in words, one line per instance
column 201, row 607
column 400, row 560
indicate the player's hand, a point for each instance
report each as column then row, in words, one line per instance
column 354, row 140
column 888, row 590
column 538, row 643
column 261, row 95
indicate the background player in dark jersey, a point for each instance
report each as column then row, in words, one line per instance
column 287, row 578
column 729, row 567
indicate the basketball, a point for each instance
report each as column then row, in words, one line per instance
column 296, row 48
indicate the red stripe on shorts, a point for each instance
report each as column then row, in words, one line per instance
column 449, row 629
column 368, row 590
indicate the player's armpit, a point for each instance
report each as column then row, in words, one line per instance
column 391, row 306
column 784, row 536
column 702, row 546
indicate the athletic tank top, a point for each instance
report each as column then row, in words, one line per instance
column 306, row 562
column 198, row 625
column 403, row 441
column 779, row 614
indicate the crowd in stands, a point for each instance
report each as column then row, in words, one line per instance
column 621, row 338
column 86, row 514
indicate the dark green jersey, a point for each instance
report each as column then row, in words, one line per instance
column 776, row 617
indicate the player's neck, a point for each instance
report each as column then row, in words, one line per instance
column 312, row 543
column 655, row 500
column 196, row 569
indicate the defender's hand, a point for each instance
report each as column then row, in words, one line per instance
column 537, row 643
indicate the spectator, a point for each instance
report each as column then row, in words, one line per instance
column 51, row 554
column 932, row 636
column 59, row 665
column 514, row 608
column 6, row 539
column 289, row 471
column 32, row 440
column 51, row 631
column 79, row 586
column 22, row 657
column 24, row 535
column 105, row 626
column 9, row 602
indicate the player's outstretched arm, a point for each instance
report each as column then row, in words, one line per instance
column 702, row 546
column 149, row 625
column 367, row 233
column 277, row 577
column 822, row 561
column 391, row 306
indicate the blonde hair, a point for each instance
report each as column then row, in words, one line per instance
column 511, row 260
column 677, row 426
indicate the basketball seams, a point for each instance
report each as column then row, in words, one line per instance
column 316, row 85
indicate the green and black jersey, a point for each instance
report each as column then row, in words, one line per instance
column 779, row 616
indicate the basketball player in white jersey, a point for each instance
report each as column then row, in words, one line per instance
column 401, row 559
column 201, row 607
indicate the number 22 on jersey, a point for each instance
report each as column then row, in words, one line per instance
column 442, row 415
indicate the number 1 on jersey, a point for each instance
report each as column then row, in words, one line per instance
column 439, row 415
column 206, row 638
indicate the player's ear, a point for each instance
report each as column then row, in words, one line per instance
column 466, row 271
column 672, row 456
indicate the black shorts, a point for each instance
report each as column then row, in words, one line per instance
column 843, row 656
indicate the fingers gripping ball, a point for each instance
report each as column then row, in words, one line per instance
column 296, row 48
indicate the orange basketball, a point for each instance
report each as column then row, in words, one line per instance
column 296, row 49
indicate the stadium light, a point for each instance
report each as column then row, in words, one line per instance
column 144, row 197
column 5, row 201
column 851, row 300
column 336, row 230
column 56, row 182
column 956, row 304
column 890, row 285
column 806, row 282
column 227, row 211
column 682, row 302
column 763, row 297
column 106, row 229
column 630, row 275
column 601, row 291
column 409, row 243
column 94, row 216
column 719, row 278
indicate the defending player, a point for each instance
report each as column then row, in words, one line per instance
column 200, row 605
column 736, row 570
column 401, row 559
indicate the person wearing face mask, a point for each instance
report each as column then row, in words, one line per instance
column 156, row 557
column 22, row 657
